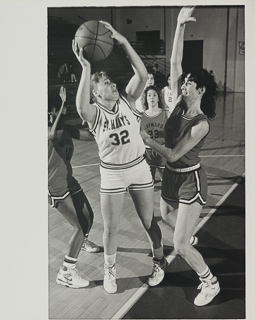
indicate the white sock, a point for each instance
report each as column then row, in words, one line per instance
column 69, row 262
column 110, row 259
column 206, row 274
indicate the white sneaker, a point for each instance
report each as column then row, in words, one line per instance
column 209, row 289
column 158, row 272
column 89, row 246
column 71, row 279
column 193, row 240
column 110, row 277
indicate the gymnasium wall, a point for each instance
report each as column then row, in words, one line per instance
column 220, row 35
column 220, row 27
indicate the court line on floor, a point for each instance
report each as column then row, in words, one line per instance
column 170, row 258
column 209, row 156
column 86, row 165
column 222, row 155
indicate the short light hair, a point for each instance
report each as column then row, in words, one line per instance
column 94, row 80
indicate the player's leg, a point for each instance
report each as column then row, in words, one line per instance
column 111, row 209
column 85, row 216
column 169, row 213
column 185, row 225
column 160, row 172
column 68, row 274
column 153, row 172
column 143, row 201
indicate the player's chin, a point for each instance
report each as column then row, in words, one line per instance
column 116, row 95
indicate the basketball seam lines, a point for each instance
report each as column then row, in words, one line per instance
column 98, row 40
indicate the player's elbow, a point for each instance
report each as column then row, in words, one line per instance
column 172, row 157
column 81, row 109
column 143, row 77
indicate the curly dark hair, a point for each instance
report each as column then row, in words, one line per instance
column 204, row 79
column 158, row 91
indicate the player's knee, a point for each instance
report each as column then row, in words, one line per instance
column 110, row 231
column 77, row 228
column 181, row 247
column 147, row 224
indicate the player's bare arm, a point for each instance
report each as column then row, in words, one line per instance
column 137, row 83
column 86, row 110
column 56, row 130
column 189, row 140
column 177, row 51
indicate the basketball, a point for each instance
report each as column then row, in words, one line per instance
column 95, row 40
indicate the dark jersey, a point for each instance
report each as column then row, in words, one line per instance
column 154, row 125
column 176, row 127
column 60, row 173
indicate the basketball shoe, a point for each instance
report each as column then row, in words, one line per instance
column 110, row 277
column 158, row 272
column 71, row 279
column 89, row 246
column 209, row 289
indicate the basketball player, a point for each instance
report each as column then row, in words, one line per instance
column 168, row 95
column 114, row 121
column 65, row 193
column 184, row 185
column 153, row 121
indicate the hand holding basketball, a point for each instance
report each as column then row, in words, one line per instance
column 115, row 35
column 185, row 15
column 79, row 54
column 96, row 40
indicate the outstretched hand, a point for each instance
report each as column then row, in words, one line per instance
column 185, row 15
column 79, row 54
column 62, row 94
column 115, row 35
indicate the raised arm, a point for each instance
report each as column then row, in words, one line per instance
column 177, row 51
column 86, row 110
column 137, row 83
column 57, row 128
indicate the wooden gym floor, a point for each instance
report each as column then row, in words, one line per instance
column 221, row 233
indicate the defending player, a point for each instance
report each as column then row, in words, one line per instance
column 184, row 184
column 65, row 193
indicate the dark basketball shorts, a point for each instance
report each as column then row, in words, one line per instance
column 184, row 187
column 154, row 159
column 60, row 192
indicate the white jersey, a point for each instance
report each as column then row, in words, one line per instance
column 139, row 104
column 168, row 98
column 117, row 133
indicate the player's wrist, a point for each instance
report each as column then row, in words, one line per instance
column 147, row 141
column 124, row 42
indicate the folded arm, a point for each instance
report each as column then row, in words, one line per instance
column 189, row 140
